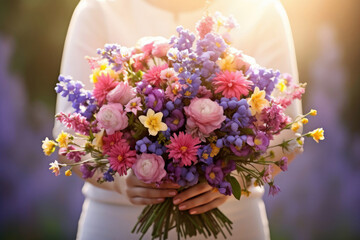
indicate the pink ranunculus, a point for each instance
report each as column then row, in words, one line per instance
column 243, row 62
column 122, row 93
column 149, row 168
column 160, row 47
column 112, row 117
column 205, row 114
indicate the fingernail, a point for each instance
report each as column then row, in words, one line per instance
column 176, row 201
column 172, row 193
column 182, row 207
column 160, row 199
column 193, row 212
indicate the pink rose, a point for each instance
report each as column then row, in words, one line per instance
column 160, row 47
column 204, row 114
column 122, row 93
column 243, row 62
column 149, row 168
column 112, row 118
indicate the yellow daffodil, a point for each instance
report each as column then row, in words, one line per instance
column 313, row 112
column 55, row 168
column 304, row 121
column 68, row 173
column 152, row 121
column 98, row 142
column 257, row 101
column 227, row 63
column 317, row 134
column 48, row 146
column 63, row 139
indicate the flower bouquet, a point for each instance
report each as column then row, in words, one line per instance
column 183, row 110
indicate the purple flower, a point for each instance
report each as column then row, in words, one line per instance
column 155, row 99
column 274, row 118
column 227, row 166
column 204, row 154
column 267, row 174
column 108, row 175
column 176, row 120
column 274, row 189
column 87, row 170
column 185, row 39
column 264, row 79
column 112, row 52
column 283, row 163
column 184, row 176
column 225, row 188
column 260, row 141
column 214, row 175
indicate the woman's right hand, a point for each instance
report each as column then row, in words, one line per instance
column 140, row 193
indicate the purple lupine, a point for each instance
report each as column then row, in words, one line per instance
column 110, row 52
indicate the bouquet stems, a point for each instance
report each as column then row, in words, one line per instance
column 165, row 216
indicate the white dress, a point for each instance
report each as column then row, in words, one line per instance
column 264, row 34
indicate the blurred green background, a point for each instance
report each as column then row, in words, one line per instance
column 320, row 194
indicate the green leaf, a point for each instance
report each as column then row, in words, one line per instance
column 236, row 189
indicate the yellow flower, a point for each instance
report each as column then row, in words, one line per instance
column 63, row 139
column 48, row 146
column 214, row 150
column 103, row 69
column 152, row 121
column 68, row 173
column 295, row 126
column 313, row 112
column 282, row 85
column 227, row 63
column 317, row 134
column 98, row 142
column 55, row 168
column 304, row 121
column 257, row 101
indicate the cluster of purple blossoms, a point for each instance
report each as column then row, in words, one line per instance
column 184, row 176
column 274, row 118
column 190, row 84
column 204, row 154
column 240, row 114
column 82, row 100
column 145, row 145
column 154, row 97
column 263, row 78
column 185, row 39
column 214, row 174
column 209, row 50
column 109, row 175
column 110, row 52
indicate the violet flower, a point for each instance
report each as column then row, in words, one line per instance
column 176, row 120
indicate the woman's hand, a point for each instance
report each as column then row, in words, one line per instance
column 199, row 199
column 140, row 193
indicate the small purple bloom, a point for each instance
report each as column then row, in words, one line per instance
column 227, row 166
column 267, row 174
column 176, row 120
column 108, row 175
column 260, row 141
column 87, row 170
column 225, row 188
column 283, row 163
column 214, row 175
column 274, row 189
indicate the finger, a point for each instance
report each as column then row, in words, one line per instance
column 134, row 181
column 191, row 192
column 207, row 207
column 169, row 185
column 199, row 200
column 145, row 201
column 150, row 192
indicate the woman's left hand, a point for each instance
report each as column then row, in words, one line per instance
column 199, row 198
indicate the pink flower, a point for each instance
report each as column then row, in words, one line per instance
column 134, row 105
column 122, row 93
column 267, row 174
column 140, row 61
column 160, row 48
column 204, row 26
column 111, row 140
column 168, row 75
column 204, row 114
column 112, row 117
column 149, row 168
column 104, row 85
column 153, row 75
column 232, row 84
column 121, row 158
column 204, row 92
column 173, row 91
column 243, row 62
column 183, row 149
column 76, row 122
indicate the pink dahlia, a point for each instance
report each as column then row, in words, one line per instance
column 104, row 85
column 111, row 140
column 153, row 76
column 183, row 149
column 121, row 158
column 232, row 84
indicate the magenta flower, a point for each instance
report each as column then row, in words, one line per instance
column 111, row 140
column 122, row 93
column 121, row 158
column 149, row 168
column 183, row 149
column 72, row 153
column 173, row 91
column 260, row 141
column 153, row 75
column 134, row 105
column 104, row 85
column 175, row 120
column 76, row 122
column 232, row 84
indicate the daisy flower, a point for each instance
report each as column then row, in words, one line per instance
column 232, row 84
column 153, row 76
column 134, row 105
column 121, row 158
column 103, row 86
column 183, row 149
column 110, row 140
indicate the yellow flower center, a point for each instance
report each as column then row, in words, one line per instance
column 205, row 156
column 218, row 44
column 212, row 175
column 133, row 104
column 181, row 69
column 176, row 121
column 120, row 158
column 183, row 149
column 257, row 141
column 187, row 93
column 189, row 80
column 175, row 91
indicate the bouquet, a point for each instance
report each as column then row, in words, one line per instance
column 184, row 110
